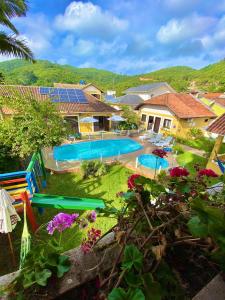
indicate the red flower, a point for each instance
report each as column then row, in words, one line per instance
column 178, row 172
column 131, row 181
column 207, row 172
column 159, row 152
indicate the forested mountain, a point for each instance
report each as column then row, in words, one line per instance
column 45, row 73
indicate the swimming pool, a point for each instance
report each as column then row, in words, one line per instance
column 153, row 162
column 95, row 149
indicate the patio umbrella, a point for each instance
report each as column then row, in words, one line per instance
column 116, row 118
column 88, row 120
column 8, row 217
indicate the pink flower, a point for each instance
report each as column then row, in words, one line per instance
column 61, row 221
column 92, row 236
column 131, row 181
column 92, row 216
column 86, row 247
column 159, row 152
column 178, row 172
column 207, row 172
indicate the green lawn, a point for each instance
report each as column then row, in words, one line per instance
column 201, row 144
column 189, row 160
column 72, row 184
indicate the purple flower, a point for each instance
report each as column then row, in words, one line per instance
column 92, row 216
column 61, row 221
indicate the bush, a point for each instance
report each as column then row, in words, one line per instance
column 94, row 168
column 127, row 126
column 178, row 149
column 195, row 133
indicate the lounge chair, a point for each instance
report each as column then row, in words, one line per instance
column 156, row 139
column 164, row 143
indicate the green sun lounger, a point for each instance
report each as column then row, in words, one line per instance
column 63, row 202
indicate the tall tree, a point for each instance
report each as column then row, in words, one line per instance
column 10, row 44
column 34, row 124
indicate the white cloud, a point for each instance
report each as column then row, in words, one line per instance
column 36, row 31
column 177, row 30
column 87, row 19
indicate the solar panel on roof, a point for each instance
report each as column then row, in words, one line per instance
column 64, row 95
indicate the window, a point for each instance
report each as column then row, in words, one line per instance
column 167, row 123
column 143, row 118
column 206, row 120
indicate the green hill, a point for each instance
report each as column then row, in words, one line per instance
column 45, row 73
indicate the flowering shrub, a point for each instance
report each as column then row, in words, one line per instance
column 131, row 181
column 60, row 222
column 207, row 172
column 159, row 152
column 178, row 172
column 92, row 216
column 92, row 236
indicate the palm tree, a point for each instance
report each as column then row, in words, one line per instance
column 10, row 44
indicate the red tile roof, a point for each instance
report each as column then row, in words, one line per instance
column 220, row 101
column 212, row 95
column 93, row 106
column 218, row 126
column 184, row 106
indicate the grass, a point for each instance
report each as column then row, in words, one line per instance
column 189, row 160
column 71, row 184
column 201, row 144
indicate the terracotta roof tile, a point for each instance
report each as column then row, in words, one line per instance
column 93, row 106
column 220, row 101
column 218, row 126
column 212, row 95
column 182, row 105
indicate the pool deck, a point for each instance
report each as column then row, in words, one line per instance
column 128, row 160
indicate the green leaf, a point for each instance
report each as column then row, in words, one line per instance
column 117, row 294
column 197, row 228
column 135, row 294
column 42, row 277
column 121, row 294
column 52, row 259
column 28, row 279
column 63, row 265
column 152, row 288
column 132, row 258
column 133, row 280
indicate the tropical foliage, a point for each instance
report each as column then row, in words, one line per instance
column 34, row 125
column 10, row 44
column 93, row 168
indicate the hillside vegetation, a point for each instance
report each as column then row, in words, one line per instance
column 45, row 73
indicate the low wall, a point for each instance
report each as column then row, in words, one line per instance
column 84, row 268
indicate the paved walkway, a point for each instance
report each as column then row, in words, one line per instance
column 128, row 160
column 192, row 150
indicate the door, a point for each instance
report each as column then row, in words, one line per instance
column 150, row 122
column 102, row 124
column 156, row 124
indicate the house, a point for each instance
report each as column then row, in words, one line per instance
column 217, row 127
column 174, row 112
column 147, row 91
column 216, row 101
column 73, row 104
column 88, row 88
column 131, row 100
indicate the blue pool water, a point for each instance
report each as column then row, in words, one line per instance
column 153, row 162
column 95, row 149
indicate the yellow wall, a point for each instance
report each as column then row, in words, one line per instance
column 180, row 127
column 216, row 108
column 89, row 127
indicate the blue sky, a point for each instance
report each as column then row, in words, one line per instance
column 127, row 37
